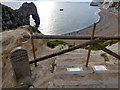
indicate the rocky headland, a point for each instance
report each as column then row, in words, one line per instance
column 14, row 38
column 15, row 18
column 94, row 3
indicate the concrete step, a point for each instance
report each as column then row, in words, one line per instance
column 78, row 58
column 68, row 57
column 78, row 78
column 62, row 67
column 69, row 64
column 66, row 61
column 85, row 75
column 88, row 84
column 43, row 80
column 85, row 72
column 61, row 78
column 85, row 51
column 85, row 78
column 77, row 53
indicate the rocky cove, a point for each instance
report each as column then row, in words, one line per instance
column 15, row 18
column 14, row 38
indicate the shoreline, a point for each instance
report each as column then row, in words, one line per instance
column 86, row 28
column 103, row 21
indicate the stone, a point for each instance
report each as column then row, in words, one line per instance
column 20, row 63
column 19, row 17
column 94, row 3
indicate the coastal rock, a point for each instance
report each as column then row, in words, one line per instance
column 15, row 18
column 94, row 3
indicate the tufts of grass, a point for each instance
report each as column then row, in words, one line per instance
column 103, row 43
column 105, row 56
column 34, row 29
column 53, row 66
column 53, row 44
column 29, row 85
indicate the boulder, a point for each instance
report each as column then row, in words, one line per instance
column 94, row 4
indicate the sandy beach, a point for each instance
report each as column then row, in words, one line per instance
column 106, row 26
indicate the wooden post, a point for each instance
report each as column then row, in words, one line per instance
column 65, row 51
column 33, row 48
column 89, row 51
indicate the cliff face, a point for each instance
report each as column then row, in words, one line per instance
column 15, row 18
column 110, row 5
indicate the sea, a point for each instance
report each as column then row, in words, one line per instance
column 75, row 16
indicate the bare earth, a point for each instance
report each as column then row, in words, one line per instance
column 42, row 76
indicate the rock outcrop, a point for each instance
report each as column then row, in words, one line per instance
column 94, row 3
column 15, row 18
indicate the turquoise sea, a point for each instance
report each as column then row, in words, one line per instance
column 75, row 16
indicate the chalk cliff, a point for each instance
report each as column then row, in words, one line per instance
column 15, row 18
column 110, row 5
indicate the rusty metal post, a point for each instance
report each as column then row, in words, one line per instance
column 33, row 48
column 89, row 51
